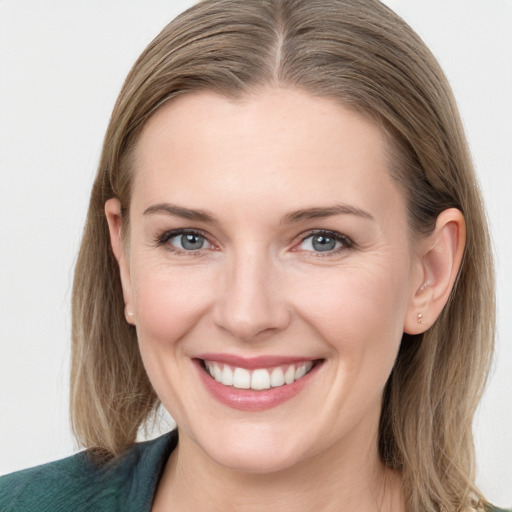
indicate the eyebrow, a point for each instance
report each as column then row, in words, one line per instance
column 289, row 218
column 320, row 213
column 180, row 211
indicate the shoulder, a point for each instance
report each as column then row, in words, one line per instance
column 77, row 484
column 44, row 486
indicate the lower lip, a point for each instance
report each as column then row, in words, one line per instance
column 250, row 400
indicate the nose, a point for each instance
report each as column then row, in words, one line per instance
column 251, row 303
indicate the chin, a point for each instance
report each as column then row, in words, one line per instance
column 254, row 460
column 253, row 450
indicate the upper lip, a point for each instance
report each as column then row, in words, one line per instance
column 254, row 362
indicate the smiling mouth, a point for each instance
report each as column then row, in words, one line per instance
column 257, row 379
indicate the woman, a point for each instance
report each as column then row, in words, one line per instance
column 285, row 246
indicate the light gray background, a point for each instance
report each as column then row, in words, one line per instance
column 62, row 64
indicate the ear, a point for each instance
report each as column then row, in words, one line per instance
column 115, row 224
column 440, row 257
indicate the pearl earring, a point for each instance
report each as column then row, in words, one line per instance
column 420, row 318
column 129, row 317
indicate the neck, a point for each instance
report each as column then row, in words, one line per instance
column 343, row 479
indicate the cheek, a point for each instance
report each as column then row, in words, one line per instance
column 356, row 309
column 361, row 317
column 168, row 303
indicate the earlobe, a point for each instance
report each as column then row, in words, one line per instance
column 115, row 225
column 440, row 256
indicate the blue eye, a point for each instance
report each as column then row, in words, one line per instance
column 324, row 242
column 184, row 240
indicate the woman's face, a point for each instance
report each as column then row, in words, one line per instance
column 267, row 239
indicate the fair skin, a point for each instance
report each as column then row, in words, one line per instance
column 294, row 243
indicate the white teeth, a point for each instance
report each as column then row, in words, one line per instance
column 289, row 376
column 258, row 379
column 241, row 378
column 227, row 376
column 217, row 372
column 300, row 371
column 277, row 378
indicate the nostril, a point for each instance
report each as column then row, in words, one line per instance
column 251, row 323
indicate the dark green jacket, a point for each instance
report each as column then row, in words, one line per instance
column 74, row 484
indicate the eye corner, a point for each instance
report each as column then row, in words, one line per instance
column 321, row 242
column 185, row 238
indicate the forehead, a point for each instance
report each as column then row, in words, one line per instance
column 278, row 145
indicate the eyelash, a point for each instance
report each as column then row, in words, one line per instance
column 344, row 240
column 163, row 239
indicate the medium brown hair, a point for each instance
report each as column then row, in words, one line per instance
column 362, row 55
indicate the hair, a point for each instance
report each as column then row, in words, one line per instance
column 365, row 57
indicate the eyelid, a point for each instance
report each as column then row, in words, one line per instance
column 162, row 239
column 339, row 237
